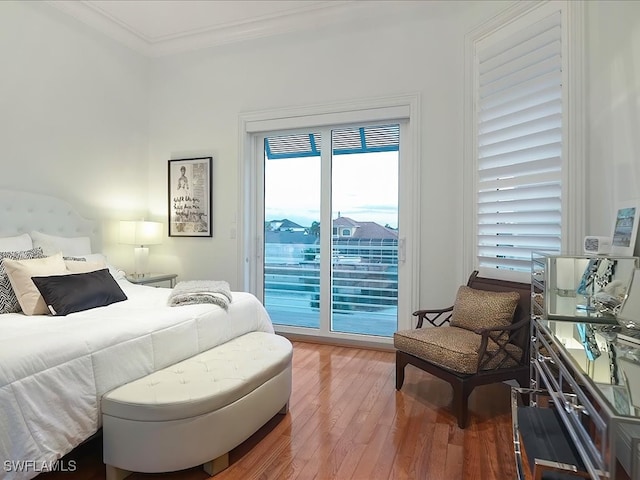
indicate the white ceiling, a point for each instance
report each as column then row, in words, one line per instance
column 160, row 27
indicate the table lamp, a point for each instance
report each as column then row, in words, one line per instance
column 141, row 234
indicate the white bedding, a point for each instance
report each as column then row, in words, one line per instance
column 54, row 370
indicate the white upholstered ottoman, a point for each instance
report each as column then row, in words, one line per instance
column 197, row 410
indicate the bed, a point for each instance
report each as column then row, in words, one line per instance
column 55, row 369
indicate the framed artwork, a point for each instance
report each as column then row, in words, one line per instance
column 190, row 197
column 625, row 229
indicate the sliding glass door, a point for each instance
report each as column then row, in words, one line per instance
column 331, row 236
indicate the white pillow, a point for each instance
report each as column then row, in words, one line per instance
column 19, row 243
column 69, row 246
column 20, row 273
column 100, row 258
column 83, row 266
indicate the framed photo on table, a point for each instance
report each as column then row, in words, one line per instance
column 190, row 197
column 625, row 228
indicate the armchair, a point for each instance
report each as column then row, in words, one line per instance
column 483, row 338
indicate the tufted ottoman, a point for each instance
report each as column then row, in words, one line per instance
column 197, row 410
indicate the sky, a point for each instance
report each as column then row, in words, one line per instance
column 365, row 188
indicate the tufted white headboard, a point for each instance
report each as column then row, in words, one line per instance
column 22, row 212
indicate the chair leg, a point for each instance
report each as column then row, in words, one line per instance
column 461, row 394
column 401, row 362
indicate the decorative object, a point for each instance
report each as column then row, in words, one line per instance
column 625, row 229
column 596, row 245
column 630, row 371
column 588, row 340
column 629, row 314
column 587, row 284
column 141, row 233
column 597, row 277
column 190, row 197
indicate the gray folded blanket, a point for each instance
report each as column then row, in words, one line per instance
column 201, row 291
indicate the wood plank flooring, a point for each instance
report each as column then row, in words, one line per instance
column 347, row 421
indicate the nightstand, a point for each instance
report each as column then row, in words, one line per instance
column 149, row 278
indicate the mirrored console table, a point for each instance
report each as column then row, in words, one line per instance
column 583, row 413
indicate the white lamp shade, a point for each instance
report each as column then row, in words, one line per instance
column 138, row 232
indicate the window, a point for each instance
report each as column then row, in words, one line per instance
column 521, row 139
column 346, row 232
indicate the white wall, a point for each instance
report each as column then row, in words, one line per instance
column 196, row 100
column 73, row 113
column 613, row 83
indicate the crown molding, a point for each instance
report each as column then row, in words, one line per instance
column 88, row 15
column 302, row 18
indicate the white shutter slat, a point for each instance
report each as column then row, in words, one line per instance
column 521, row 265
column 507, row 119
column 519, row 77
column 513, row 252
column 520, row 229
column 521, row 156
column 531, row 218
column 520, row 126
column 552, row 135
column 527, row 241
column 535, row 52
column 523, row 193
column 491, row 50
column 519, row 146
column 515, row 182
column 524, row 205
column 523, row 168
column 521, row 97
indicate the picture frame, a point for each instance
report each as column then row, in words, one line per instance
column 625, row 228
column 189, row 185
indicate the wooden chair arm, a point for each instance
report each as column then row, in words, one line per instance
column 501, row 341
column 432, row 316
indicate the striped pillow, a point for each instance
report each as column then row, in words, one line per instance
column 8, row 300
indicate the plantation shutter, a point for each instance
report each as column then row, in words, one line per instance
column 519, row 149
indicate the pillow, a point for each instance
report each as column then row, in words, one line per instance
column 80, row 265
column 18, row 243
column 475, row 309
column 75, row 259
column 8, row 300
column 100, row 258
column 65, row 294
column 20, row 273
column 69, row 246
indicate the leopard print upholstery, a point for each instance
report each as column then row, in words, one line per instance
column 475, row 309
column 453, row 348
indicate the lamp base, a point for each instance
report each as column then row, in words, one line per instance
column 141, row 256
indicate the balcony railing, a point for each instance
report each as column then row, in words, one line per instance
column 364, row 286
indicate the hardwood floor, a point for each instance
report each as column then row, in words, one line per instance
column 347, row 421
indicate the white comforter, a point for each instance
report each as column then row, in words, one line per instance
column 54, row 370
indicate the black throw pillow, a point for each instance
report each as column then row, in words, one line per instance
column 65, row 294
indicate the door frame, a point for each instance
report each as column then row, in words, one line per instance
column 401, row 109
